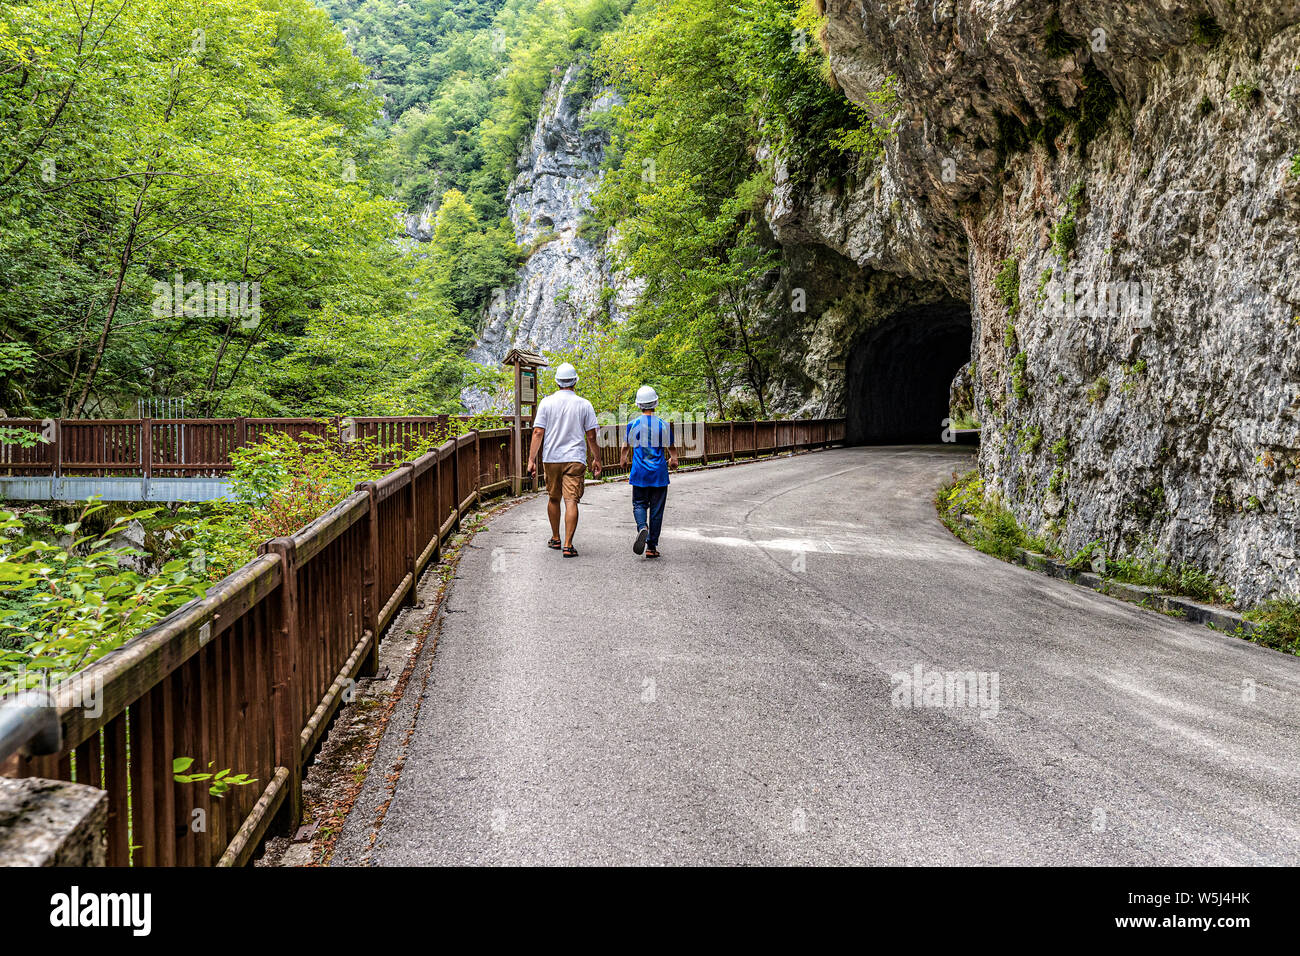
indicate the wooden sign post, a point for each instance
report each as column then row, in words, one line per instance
column 525, row 365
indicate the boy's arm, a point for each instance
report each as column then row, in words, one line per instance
column 672, row 447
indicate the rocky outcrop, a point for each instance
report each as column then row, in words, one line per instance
column 1113, row 188
column 567, row 278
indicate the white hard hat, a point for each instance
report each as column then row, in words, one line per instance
column 566, row 375
column 646, row 397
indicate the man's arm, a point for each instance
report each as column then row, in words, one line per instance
column 538, row 436
column 593, row 453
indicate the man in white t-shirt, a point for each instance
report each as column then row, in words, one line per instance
column 564, row 430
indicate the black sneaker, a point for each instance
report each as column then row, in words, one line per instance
column 638, row 546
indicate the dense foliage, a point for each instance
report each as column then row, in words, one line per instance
column 192, row 208
column 713, row 92
column 64, row 605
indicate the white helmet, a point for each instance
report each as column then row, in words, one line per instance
column 646, row 397
column 566, row 375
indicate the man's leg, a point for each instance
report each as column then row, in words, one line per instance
column 554, row 489
column 570, row 520
column 553, row 512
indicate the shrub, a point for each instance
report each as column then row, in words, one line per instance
column 1007, row 284
column 1277, row 624
column 1065, row 235
column 69, row 605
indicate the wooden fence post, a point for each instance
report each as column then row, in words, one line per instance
column 284, row 671
column 478, row 468
column 370, row 580
column 731, row 438
column 412, row 544
column 146, row 447
column 457, row 494
column 437, row 508
column 241, row 431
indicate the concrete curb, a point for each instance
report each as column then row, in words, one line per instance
column 1153, row 599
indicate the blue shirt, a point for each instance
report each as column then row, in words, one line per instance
column 650, row 438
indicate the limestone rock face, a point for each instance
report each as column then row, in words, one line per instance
column 1130, row 168
column 565, row 279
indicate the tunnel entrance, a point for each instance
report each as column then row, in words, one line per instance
column 899, row 372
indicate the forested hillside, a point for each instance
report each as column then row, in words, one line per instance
column 206, row 201
column 203, row 200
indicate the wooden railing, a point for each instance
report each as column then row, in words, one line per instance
column 184, row 447
column 248, row 678
column 700, row 443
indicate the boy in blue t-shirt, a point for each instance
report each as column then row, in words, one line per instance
column 650, row 444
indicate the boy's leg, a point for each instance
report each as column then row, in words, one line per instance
column 658, row 497
column 639, row 515
column 639, row 506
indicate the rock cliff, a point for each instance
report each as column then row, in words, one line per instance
column 567, row 278
column 1114, row 189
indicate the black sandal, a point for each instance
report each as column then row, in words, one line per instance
column 554, row 544
column 570, row 552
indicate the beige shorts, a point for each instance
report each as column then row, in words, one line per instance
column 565, row 479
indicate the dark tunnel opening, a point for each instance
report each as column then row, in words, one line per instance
column 899, row 372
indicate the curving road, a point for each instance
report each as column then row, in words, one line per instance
column 734, row 702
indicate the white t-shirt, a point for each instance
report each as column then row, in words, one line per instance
column 567, row 417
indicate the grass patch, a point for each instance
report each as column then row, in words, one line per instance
column 996, row 530
column 1172, row 577
column 1277, row 625
column 1020, row 376
column 1007, row 283
column 1245, row 95
column 1065, row 234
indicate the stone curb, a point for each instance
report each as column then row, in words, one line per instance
column 1218, row 618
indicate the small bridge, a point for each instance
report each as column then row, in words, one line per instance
column 170, row 459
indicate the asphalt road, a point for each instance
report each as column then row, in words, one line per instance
column 735, row 702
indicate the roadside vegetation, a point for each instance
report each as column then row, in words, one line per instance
column 69, row 594
column 983, row 521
